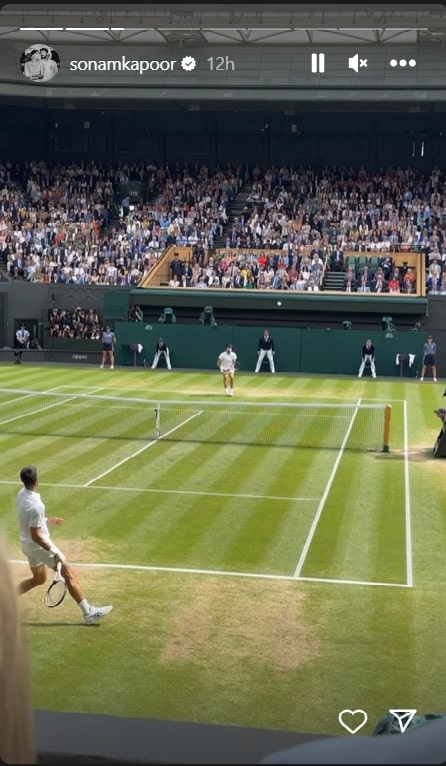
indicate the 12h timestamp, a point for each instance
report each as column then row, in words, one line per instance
column 221, row 64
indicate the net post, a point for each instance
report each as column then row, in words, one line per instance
column 387, row 419
column 157, row 420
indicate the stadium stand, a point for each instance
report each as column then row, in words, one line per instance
column 299, row 229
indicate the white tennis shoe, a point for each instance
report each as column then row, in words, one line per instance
column 96, row 613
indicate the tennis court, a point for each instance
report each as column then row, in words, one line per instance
column 240, row 563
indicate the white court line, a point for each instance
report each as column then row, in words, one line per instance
column 222, row 573
column 311, row 399
column 56, row 388
column 17, row 399
column 409, row 565
column 143, row 389
column 194, row 492
column 142, row 449
column 296, row 576
column 318, row 515
column 27, row 396
column 43, row 409
column 334, row 581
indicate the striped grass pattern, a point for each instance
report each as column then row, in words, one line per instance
column 297, row 424
column 255, row 585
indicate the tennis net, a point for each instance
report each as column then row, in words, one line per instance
column 311, row 424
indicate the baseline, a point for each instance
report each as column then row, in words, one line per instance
column 222, row 573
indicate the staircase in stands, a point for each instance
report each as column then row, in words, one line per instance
column 236, row 208
column 334, row 280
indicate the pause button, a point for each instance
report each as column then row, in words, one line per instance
column 317, row 62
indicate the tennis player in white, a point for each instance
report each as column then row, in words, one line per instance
column 41, row 552
column 226, row 364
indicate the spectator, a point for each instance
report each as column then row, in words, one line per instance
column 176, row 268
column 409, row 281
column 136, row 314
column 441, row 413
column 394, row 284
column 378, row 285
column 336, row 262
column 363, row 287
column 433, row 286
column 80, row 323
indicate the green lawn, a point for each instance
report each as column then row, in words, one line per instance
column 253, row 585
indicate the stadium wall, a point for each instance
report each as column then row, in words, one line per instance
column 316, row 350
column 306, row 351
column 281, row 308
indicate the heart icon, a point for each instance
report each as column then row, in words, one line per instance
column 349, row 715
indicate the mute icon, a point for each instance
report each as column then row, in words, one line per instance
column 353, row 62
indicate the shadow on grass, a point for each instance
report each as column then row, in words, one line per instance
column 413, row 455
column 217, row 396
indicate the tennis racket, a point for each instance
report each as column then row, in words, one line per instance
column 236, row 365
column 57, row 589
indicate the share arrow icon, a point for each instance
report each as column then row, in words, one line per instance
column 404, row 717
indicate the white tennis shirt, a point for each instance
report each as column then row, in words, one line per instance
column 31, row 513
column 227, row 361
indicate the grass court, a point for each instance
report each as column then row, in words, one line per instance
column 255, row 581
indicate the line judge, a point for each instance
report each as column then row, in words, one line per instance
column 266, row 348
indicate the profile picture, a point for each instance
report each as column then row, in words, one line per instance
column 39, row 62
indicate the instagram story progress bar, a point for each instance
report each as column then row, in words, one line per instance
column 317, row 63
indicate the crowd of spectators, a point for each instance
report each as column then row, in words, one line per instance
column 383, row 278
column 313, row 217
column 277, row 271
column 388, row 210
column 57, row 224
column 191, row 205
column 245, row 269
column 79, row 323
column 298, row 224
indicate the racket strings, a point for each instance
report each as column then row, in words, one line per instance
column 55, row 593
